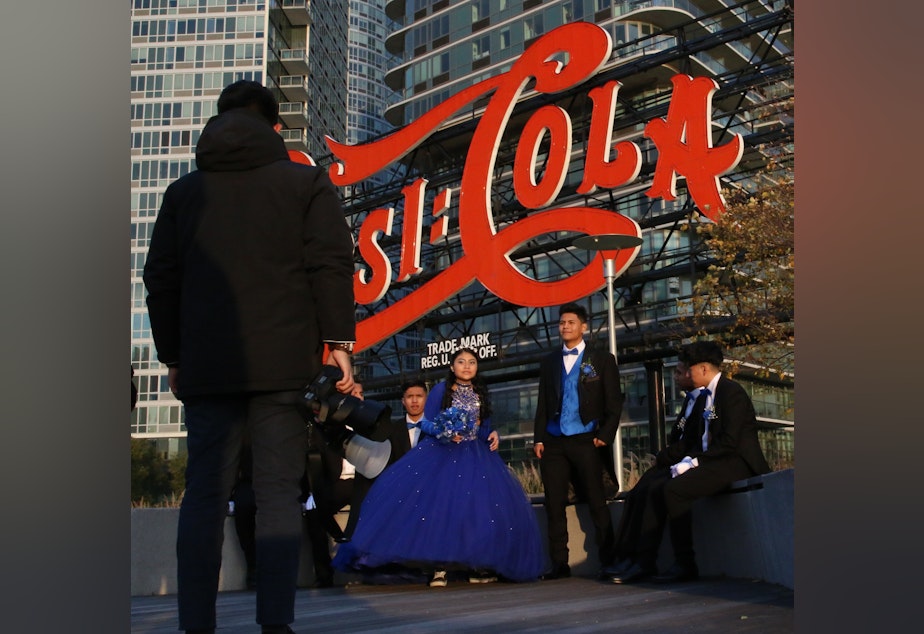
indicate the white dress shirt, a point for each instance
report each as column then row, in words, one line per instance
column 571, row 359
column 414, row 432
column 710, row 399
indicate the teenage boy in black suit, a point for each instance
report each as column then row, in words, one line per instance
column 397, row 433
column 580, row 402
column 721, row 447
column 633, row 511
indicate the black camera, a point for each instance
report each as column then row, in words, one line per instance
column 347, row 422
column 331, row 408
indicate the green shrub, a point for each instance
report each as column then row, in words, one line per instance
column 155, row 479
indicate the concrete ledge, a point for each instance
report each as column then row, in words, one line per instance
column 154, row 554
column 749, row 534
column 745, row 534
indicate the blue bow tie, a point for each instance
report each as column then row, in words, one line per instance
column 413, row 425
column 573, row 351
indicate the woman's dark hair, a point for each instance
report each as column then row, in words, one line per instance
column 480, row 387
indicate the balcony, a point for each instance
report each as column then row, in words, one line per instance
column 294, row 114
column 297, row 11
column 394, row 10
column 394, row 43
column 295, row 138
column 294, row 87
column 294, row 60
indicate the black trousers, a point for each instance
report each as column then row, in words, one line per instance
column 330, row 495
column 633, row 511
column 670, row 501
column 216, row 427
column 245, row 514
column 361, row 486
column 564, row 458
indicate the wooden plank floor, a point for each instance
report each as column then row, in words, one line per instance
column 718, row 605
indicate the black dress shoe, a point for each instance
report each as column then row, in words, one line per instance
column 562, row 571
column 616, row 568
column 635, row 572
column 677, row 573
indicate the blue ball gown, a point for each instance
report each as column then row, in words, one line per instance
column 446, row 506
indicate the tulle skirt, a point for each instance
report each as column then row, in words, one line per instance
column 447, row 506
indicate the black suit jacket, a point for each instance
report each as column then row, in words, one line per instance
column 600, row 398
column 394, row 431
column 684, row 440
column 734, row 430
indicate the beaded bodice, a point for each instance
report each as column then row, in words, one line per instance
column 465, row 399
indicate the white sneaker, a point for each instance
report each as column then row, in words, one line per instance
column 482, row 576
column 439, row 579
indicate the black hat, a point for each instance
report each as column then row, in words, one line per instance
column 706, row 351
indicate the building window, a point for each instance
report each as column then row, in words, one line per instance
column 440, row 26
column 138, row 295
column 533, row 27
column 504, row 38
column 137, row 263
column 480, row 9
column 143, row 357
column 141, row 326
column 572, row 11
column 481, row 47
column 631, row 31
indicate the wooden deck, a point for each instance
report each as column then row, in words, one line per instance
column 718, row 605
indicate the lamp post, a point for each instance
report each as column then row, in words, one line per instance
column 610, row 245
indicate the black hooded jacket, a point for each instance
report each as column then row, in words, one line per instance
column 250, row 265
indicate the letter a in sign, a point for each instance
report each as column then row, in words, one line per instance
column 684, row 143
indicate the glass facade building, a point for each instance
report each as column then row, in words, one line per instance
column 368, row 96
column 369, row 61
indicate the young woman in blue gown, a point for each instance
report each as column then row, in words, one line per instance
column 451, row 502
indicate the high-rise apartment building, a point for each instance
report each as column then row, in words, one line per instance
column 368, row 62
column 326, row 97
column 183, row 52
column 368, row 96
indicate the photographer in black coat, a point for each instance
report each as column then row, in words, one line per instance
column 249, row 273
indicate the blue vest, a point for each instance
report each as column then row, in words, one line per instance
column 569, row 422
